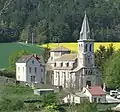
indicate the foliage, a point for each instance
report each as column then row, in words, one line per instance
column 102, row 54
column 6, row 73
column 112, row 70
column 46, row 54
column 57, row 20
column 7, row 104
column 49, row 99
column 14, row 57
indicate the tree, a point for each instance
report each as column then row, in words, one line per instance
column 14, row 57
column 102, row 54
column 112, row 71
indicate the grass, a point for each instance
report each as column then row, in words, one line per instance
column 74, row 46
column 6, row 49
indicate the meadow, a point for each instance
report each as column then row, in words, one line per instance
column 74, row 46
column 7, row 49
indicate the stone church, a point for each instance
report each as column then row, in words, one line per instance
column 75, row 70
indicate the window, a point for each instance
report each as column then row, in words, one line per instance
column 32, row 61
column 18, row 69
column 51, row 58
column 18, row 77
column 98, row 99
column 67, row 64
column 41, row 70
column 29, row 69
column 68, row 75
column 23, row 69
column 85, row 72
column 63, row 74
column 32, row 78
column 90, row 48
column 35, row 69
column 88, row 60
column 95, row 99
column 55, row 65
column 85, row 49
column 61, row 64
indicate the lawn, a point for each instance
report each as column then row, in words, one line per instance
column 6, row 49
column 74, row 46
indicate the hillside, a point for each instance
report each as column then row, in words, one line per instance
column 6, row 49
column 58, row 20
column 74, row 46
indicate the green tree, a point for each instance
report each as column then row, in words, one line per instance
column 14, row 57
column 102, row 54
column 112, row 70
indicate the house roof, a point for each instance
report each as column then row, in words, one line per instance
column 96, row 90
column 67, row 57
column 60, row 49
column 24, row 58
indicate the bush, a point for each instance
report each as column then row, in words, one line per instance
column 7, row 73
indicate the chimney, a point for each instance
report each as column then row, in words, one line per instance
column 104, row 87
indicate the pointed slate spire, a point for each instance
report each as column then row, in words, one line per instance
column 85, row 30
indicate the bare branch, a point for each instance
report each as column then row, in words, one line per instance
column 7, row 3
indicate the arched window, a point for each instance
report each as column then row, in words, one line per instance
column 55, row 65
column 85, row 49
column 90, row 47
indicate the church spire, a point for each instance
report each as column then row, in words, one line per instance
column 85, row 30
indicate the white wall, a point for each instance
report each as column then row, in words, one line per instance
column 26, row 76
column 21, row 71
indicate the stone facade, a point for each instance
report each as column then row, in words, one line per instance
column 75, row 70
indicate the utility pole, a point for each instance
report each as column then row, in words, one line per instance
column 32, row 38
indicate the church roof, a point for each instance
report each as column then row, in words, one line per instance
column 67, row 57
column 60, row 49
column 85, row 30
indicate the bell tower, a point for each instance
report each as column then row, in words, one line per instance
column 88, row 74
column 85, row 46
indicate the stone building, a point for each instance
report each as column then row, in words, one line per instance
column 75, row 70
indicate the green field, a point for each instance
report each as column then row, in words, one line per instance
column 6, row 49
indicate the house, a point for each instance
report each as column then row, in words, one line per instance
column 30, row 69
column 91, row 94
column 75, row 70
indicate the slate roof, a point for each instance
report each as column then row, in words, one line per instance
column 67, row 57
column 96, row 90
column 24, row 58
column 60, row 49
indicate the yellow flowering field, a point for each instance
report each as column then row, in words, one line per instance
column 74, row 46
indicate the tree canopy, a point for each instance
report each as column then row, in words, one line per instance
column 112, row 71
column 58, row 20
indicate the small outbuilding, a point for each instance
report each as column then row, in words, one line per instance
column 91, row 94
column 43, row 91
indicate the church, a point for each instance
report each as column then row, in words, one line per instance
column 70, row 70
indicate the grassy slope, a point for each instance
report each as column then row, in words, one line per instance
column 6, row 49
